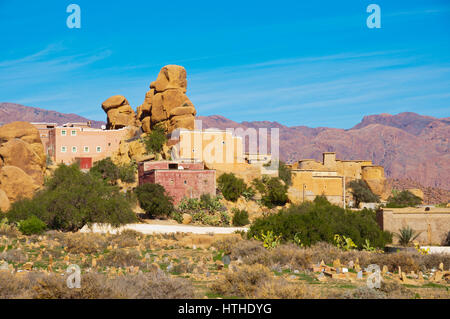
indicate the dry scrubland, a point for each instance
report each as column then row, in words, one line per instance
column 132, row 265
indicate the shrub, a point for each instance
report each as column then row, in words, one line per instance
column 155, row 140
column 111, row 172
column 231, row 186
column 406, row 235
column 362, row 193
column 317, row 221
column 127, row 172
column 72, row 199
column 240, row 217
column 154, row 200
column 207, row 210
column 7, row 229
column 284, row 173
column 32, row 225
column 403, row 199
column 275, row 194
column 106, row 169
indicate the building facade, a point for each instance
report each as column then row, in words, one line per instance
column 179, row 179
column 79, row 142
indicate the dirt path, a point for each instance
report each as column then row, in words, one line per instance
column 163, row 229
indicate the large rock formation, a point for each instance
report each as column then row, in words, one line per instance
column 119, row 112
column 166, row 103
column 4, row 201
column 16, row 183
column 22, row 162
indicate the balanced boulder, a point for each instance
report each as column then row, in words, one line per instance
column 119, row 112
column 166, row 104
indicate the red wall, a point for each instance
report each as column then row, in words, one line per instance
column 187, row 183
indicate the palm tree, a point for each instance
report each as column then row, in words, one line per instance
column 407, row 235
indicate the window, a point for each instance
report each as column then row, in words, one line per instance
column 73, row 133
column 86, row 149
column 63, row 149
column 63, row 133
column 99, row 149
column 74, row 149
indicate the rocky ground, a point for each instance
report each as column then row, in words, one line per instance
column 133, row 265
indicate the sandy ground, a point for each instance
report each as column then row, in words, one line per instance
column 162, row 228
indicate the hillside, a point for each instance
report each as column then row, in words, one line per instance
column 10, row 112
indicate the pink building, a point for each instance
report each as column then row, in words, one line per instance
column 179, row 179
column 73, row 142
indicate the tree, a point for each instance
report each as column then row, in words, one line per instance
column 155, row 140
column 154, row 200
column 362, row 193
column 284, row 173
column 275, row 194
column 231, row 186
column 72, row 199
column 403, row 199
column 111, row 172
column 312, row 222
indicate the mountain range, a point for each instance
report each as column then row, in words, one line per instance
column 409, row 146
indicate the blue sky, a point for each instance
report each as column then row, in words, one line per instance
column 311, row 63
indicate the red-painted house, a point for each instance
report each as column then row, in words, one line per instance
column 190, row 179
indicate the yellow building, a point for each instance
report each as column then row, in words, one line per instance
column 220, row 150
column 311, row 178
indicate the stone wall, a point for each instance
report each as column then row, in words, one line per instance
column 433, row 225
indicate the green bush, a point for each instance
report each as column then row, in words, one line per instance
column 272, row 189
column 276, row 193
column 362, row 193
column 240, row 217
column 284, row 173
column 207, row 210
column 312, row 222
column 32, row 225
column 106, row 169
column 72, row 199
column 231, row 186
column 111, row 172
column 154, row 200
column 155, row 140
column 403, row 199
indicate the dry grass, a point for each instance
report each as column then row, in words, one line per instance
column 257, row 281
column 14, row 256
column 85, row 243
column 35, row 285
column 122, row 258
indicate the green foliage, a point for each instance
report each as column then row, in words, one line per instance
column 111, row 172
column 284, row 173
column 269, row 239
column 231, row 186
column 362, row 193
column 72, row 199
column 155, row 140
column 32, row 225
column 240, row 217
column 249, row 193
column 367, row 246
column 406, row 235
column 343, row 242
column 106, row 169
column 317, row 221
column 154, row 200
column 403, row 199
column 273, row 192
column 207, row 210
